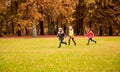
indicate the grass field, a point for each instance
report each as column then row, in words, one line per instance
column 42, row 55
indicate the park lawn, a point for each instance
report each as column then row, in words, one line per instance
column 42, row 55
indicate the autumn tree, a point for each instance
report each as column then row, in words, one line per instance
column 107, row 14
column 2, row 18
column 24, row 17
column 80, row 14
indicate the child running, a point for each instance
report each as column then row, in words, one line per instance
column 61, row 36
column 90, row 35
column 71, row 35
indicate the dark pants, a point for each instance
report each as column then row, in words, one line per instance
column 90, row 39
column 72, row 40
column 61, row 42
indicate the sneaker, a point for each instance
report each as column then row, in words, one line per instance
column 87, row 44
column 74, row 44
column 65, row 43
column 95, row 42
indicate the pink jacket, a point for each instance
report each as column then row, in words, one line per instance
column 90, row 34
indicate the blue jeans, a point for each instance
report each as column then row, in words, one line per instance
column 61, row 41
column 90, row 39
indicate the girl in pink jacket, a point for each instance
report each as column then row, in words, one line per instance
column 90, row 35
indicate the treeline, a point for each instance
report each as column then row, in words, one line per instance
column 40, row 17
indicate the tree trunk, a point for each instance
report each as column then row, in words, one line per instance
column 34, row 29
column 64, row 28
column 12, row 28
column 56, row 29
column 7, row 29
column 77, row 28
column 26, row 30
column 41, row 28
column 90, row 26
column 1, row 30
column 19, row 30
column 51, row 27
column 81, row 27
column 100, row 31
column 110, row 31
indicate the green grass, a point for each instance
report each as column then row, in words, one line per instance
column 42, row 55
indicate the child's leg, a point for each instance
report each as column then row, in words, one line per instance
column 92, row 40
column 64, row 43
column 60, row 44
column 88, row 41
column 69, row 40
column 74, row 41
column 61, row 41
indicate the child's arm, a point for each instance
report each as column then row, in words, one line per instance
column 64, row 35
column 92, row 33
column 58, row 34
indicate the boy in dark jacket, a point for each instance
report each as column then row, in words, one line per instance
column 61, row 36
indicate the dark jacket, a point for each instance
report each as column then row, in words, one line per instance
column 61, row 36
